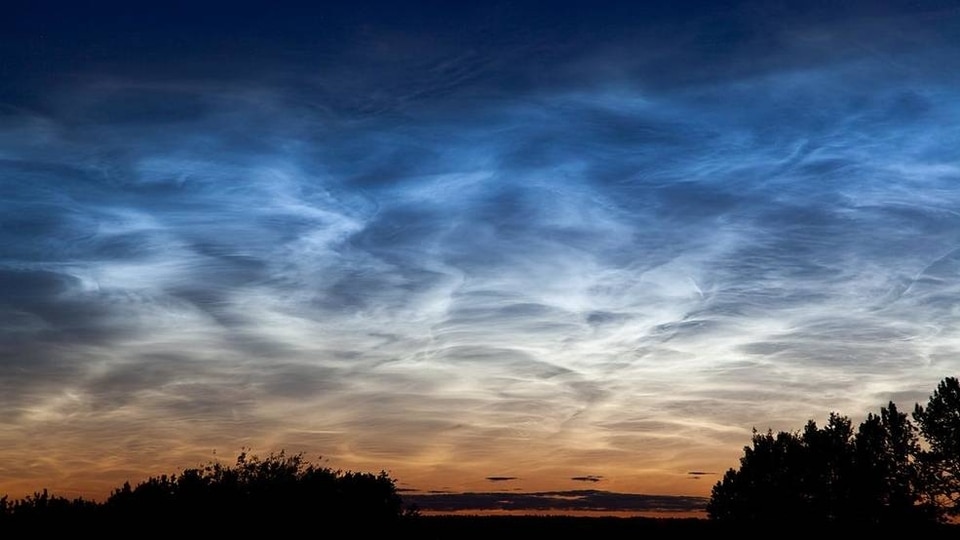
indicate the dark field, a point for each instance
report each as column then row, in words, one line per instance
column 499, row 527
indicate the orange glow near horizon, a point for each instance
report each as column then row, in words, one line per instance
column 93, row 477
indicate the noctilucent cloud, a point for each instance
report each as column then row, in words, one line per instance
column 516, row 241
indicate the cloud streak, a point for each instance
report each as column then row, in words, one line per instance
column 589, row 478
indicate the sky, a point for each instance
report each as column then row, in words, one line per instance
column 507, row 247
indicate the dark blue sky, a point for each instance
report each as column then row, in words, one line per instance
column 542, row 241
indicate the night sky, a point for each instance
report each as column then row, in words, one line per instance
column 481, row 246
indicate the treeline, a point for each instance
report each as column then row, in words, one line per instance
column 892, row 470
column 283, row 492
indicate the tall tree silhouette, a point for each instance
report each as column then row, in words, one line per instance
column 939, row 423
column 803, row 476
column 888, row 483
column 831, row 475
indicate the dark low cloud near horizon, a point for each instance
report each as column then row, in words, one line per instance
column 589, row 478
column 570, row 500
column 426, row 239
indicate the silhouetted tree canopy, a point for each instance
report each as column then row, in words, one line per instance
column 890, row 471
column 939, row 424
column 279, row 489
column 283, row 492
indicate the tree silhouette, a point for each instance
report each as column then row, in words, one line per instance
column 888, row 484
column 282, row 491
column 939, row 423
column 44, row 513
column 878, row 476
column 800, row 477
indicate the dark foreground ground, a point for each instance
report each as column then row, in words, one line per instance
column 503, row 527
column 498, row 527
column 306, row 526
